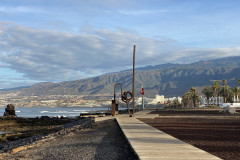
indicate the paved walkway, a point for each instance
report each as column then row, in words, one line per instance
column 144, row 114
column 150, row 143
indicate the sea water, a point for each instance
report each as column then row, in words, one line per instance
column 32, row 112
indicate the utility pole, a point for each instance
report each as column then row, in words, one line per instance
column 133, row 83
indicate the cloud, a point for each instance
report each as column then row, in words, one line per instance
column 15, row 83
column 195, row 54
column 49, row 55
column 20, row 9
column 141, row 12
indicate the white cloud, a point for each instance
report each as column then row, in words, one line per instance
column 141, row 12
column 189, row 55
column 57, row 56
column 20, row 9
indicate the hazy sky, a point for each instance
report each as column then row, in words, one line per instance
column 62, row 40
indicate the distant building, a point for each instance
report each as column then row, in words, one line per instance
column 139, row 100
column 179, row 99
column 212, row 100
column 158, row 99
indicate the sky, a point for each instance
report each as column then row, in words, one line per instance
column 65, row 40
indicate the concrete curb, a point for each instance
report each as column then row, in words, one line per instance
column 127, row 138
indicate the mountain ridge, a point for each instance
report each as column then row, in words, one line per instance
column 167, row 79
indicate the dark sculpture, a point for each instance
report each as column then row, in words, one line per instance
column 10, row 111
column 125, row 98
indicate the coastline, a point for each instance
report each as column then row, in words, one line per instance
column 33, row 112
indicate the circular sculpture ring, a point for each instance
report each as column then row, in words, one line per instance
column 125, row 98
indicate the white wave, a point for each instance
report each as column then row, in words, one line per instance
column 80, row 110
column 58, row 116
column 84, row 112
column 18, row 111
column 62, row 112
column 44, row 111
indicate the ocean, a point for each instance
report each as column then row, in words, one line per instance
column 32, row 112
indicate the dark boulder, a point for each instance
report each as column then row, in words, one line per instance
column 10, row 111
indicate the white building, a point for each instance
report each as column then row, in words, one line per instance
column 212, row 100
column 236, row 99
column 139, row 100
column 179, row 99
column 158, row 99
column 216, row 100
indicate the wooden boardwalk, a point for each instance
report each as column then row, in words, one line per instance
column 150, row 143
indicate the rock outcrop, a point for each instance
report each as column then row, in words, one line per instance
column 10, row 111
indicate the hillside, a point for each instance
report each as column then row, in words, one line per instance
column 166, row 79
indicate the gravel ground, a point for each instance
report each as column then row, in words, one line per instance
column 39, row 131
column 214, row 132
column 104, row 141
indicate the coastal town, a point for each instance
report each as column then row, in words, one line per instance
column 53, row 101
column 98, row 100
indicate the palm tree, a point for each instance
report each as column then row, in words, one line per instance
column 238, row 89
column 227, row 93
column 191, row 97
column 207, row 91
column 194, row 95
column 235, row 93
column 238, row 81
column 216, row 88
column 224, row 82
column 224, row 88
column 186, row 99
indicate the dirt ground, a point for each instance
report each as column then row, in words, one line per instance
column 212, row 131
column 17, row 128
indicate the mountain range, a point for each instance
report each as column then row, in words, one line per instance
column 165, row 79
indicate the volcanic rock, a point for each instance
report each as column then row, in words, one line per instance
column 10, row 111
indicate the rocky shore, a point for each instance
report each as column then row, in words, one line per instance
column 86, row 140
column 27, row 131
